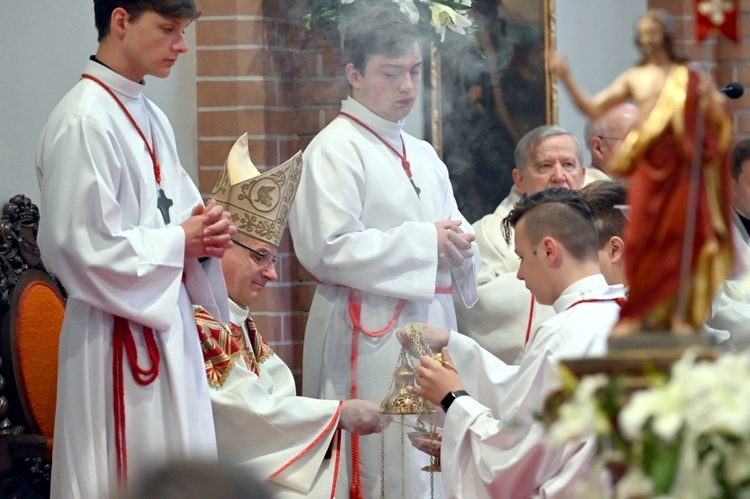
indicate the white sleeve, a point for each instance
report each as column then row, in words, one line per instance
column 273, row 432
column 333, row 243
column 129, row 271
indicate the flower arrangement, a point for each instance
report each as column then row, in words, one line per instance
column 438, row 14
column 685, row 436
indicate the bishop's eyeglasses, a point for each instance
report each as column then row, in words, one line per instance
column 262, row 258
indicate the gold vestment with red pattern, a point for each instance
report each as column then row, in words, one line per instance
column 223, row 345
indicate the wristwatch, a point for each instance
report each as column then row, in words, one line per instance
column 448, row 399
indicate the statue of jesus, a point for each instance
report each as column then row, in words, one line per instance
column 678, row 241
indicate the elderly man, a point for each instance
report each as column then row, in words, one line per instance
column 261, row 423
column 547, row 156
column 604, row 135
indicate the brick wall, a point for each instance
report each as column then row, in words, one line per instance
column 259, row 72
column 727, row 61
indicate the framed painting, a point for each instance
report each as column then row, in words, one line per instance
column 483, row 93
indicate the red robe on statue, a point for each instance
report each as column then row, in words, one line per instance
column 658, row 158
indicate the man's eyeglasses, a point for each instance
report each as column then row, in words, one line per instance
column 262, row 258
column 609, row 138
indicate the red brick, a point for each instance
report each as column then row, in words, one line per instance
column 214, row 152
column 301, row 38
column 231, row 7
column 274, row 299
column 305, row 63
column 300, row 274
column 231, row 32
column 236, row 93
column 730, row 51
column 299, row 323
column 302, row 295
column 286, row 247
column 676, row 7
column 207, row 180
column 332, row 65
column 322, row 91
column 725, row 74
column 742, row 121
column 287, row 148
column 268, row 325
column 241, row 62
column 290, row 353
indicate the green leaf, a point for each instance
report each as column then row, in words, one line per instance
column 660, row 458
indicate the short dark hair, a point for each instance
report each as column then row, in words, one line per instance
column 559, row 213
column 179, row 9
column 377, row 28
column 602, row 197
column 740, row 154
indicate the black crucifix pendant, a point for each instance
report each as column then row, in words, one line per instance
column 163, row 204
column 415, row 186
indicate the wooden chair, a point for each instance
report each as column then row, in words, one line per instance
column 32, row 306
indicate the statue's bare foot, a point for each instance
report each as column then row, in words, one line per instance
column 681, row 327
column 627, row 327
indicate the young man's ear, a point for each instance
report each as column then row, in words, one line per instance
column 616, row 249
column 551, row 250
column 118, row 22
column 353, row 76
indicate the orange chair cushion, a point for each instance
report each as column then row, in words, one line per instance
column 39, row 321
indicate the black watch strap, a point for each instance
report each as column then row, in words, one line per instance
column 448, row 399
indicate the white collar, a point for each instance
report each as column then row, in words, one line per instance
column 114, row 80
column 237, row 314
column 592, row 287
column 386, row 128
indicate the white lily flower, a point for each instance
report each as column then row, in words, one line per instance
column 634, row 484
column 445, row 17
column 581, row 416
column 408, row 8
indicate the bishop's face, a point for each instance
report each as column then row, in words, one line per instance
column 389, row 85
column 246, row 272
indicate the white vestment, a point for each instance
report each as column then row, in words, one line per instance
column 729, row 325
column 102, row 235
column 358, row 224
column 492, row 446
column 264, row 427
column 503, row 315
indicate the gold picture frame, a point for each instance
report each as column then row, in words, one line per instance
column 485, row 92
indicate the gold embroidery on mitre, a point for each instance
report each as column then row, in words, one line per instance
column 258, row 203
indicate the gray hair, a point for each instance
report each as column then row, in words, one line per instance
column 529, row 142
